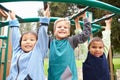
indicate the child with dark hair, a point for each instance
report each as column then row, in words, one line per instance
column 95, row 66
column 29, row 50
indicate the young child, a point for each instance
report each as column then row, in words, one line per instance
column 29, row 50
column 62, row 65
column 95, row 66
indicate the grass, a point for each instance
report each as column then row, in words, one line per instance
column 46, row 66
column 116, row 62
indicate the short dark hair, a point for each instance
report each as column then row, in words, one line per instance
column 93, row 40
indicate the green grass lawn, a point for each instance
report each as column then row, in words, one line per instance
column 46, row 66
column 116, row 62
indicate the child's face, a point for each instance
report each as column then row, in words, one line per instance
column 28, row 42
column 62, row 30
column 96, row 48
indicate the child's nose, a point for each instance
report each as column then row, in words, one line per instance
column 28, row 41
column 62, row 27
column 97, row 49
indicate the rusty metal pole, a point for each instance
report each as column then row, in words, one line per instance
column 111, row 64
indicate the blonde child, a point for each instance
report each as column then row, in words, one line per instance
column 62, row 65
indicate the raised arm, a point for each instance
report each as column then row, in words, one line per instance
column 15, row 33
column 106, row 36
column 82, row 47
column 42, row 42
column 84, row 35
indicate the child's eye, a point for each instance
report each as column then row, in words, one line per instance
column 24, row 40
column 32, row 40
column 59, row 26
column 100, row 47
column 66, row 27
column 93, row 46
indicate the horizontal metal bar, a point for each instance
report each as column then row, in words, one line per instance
column 103, row 18
column 91, row 3
column 79, row 13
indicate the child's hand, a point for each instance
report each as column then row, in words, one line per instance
column 82, row 15
column 47, row 12
column 108, row 23
column 12, row 15
column 76, row 19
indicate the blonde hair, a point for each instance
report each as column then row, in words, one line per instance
column 62, row 19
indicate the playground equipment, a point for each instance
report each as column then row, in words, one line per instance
column 88, row 3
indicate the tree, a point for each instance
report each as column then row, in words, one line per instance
column 59, row 9
column 115, row 36
column 24, row 27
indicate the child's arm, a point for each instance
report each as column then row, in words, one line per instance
column 82, row 47
column 106, row 36
column 84, row 35
column 14, row 24
column 42, row 42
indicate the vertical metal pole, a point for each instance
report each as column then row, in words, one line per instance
column 6, row 56
column 111, row 64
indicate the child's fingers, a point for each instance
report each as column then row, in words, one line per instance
column 48, row 6
column 12, row 15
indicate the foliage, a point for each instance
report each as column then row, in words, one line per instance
column 115, row 39
column 24, row 27
column 115, row 36
column 59, row 9
column 115, row 29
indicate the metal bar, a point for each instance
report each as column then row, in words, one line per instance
column 52, row 19
column 3, row 37
column 7, row 10
column 103, row 18
column 81, row 12
column 91, row 3
column 110, row 58
column 6, row 56
column 0, row 56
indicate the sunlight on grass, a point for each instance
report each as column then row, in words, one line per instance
column 46, row 62
column 78, row 63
